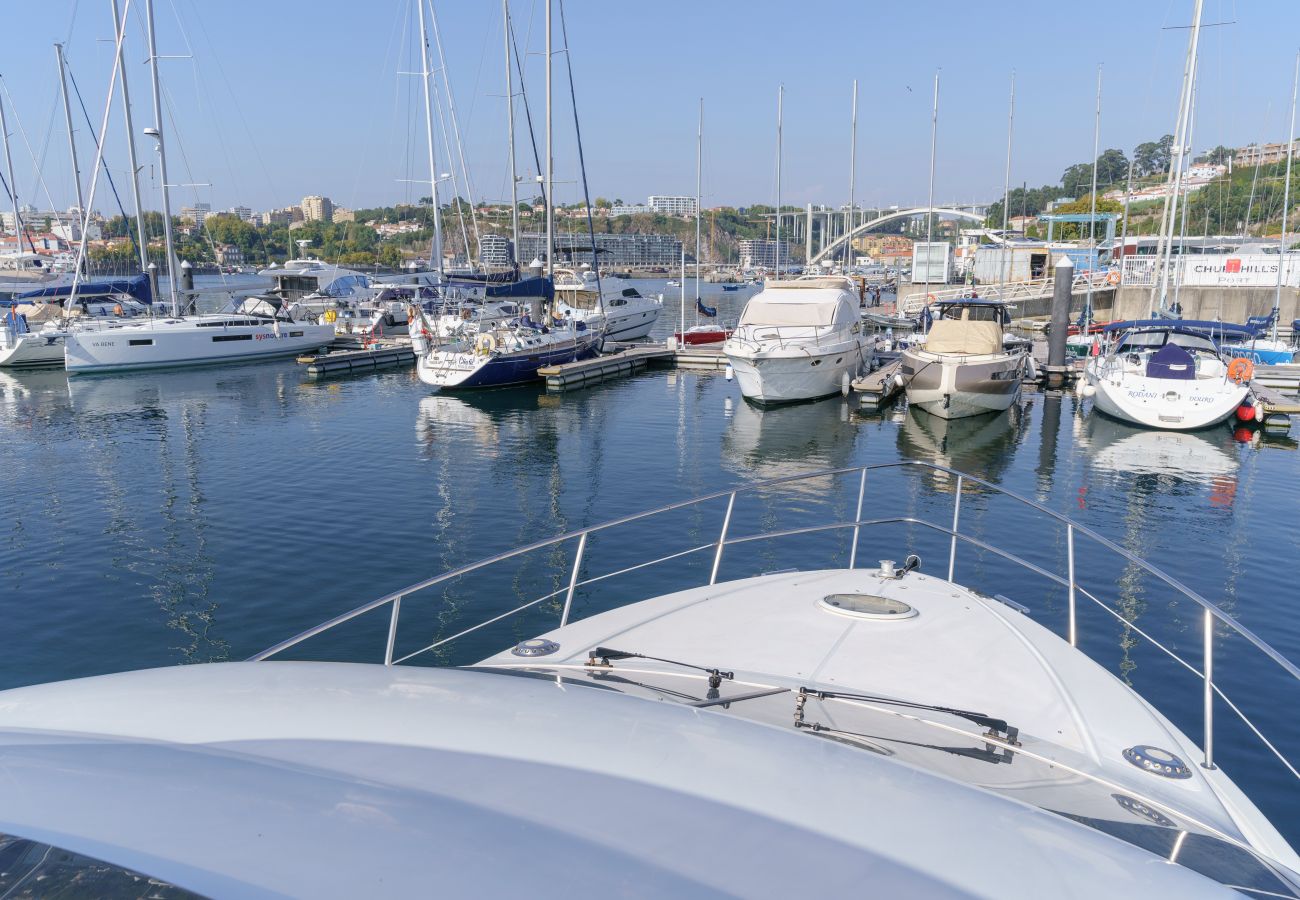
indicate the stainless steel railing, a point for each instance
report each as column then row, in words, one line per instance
column 1212, row 616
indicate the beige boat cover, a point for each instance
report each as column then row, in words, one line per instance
column 967, row 338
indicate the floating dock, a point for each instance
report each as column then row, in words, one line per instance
column 1277, row 408
column 879, row 387
column 346, row 362
column 568, row 376
column 708, row 356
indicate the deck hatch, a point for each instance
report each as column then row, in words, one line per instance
column 867, row 606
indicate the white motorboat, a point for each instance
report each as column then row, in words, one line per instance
column 627, row 314
column 503, row 354
column 799, row 339
column 1160, row 374
column 317, row 285
column 778, row 735
column 963, row 367
column 252, row 328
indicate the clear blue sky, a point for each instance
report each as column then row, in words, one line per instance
column 284, row 98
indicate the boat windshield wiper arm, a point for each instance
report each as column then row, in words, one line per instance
column 601, row 656
column 997, row 728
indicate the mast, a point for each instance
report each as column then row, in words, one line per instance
column 436, row 249
column 157, row 132
column 130, row 146
column 550, row 160
column 929, row 211
column 1164, row 247
column 853, row 167
column 1286, row 197
column 510, row 127
column 780, row 99
column 72, row 142
column 13, row 188
column 1006, row 184
column 699, row 165
column 1092, row 207
column 455, row 130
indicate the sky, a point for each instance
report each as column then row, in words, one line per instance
column 273, row 100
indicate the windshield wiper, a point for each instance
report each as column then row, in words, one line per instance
column 998, row 729
column 605, row 654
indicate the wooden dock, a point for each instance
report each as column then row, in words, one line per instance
column 568, row 376
column 879, row 387
column 1277, row 408
column 347, row 362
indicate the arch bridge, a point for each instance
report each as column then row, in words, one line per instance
column 837, row 245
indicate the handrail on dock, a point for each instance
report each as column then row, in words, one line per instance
column 1212, row 615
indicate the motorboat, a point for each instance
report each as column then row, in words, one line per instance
column 35, row 323
column 758, row 735
column 628, row 315
column 799, row 339
column 24, row 271
column 502, row 354
column 317, row 285
column 963, row 367
column 1161, row 373
column 703, row 334
column 250, row 328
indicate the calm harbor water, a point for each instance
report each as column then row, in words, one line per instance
column 193, row 516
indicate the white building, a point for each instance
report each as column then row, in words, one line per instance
column 198, row 212
column 761, row 254
column 495, row 251
column 672, row 206
column 241, row 212
column 629, row 209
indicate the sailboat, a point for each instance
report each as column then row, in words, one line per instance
column 250, row 328
column 505, row 352
column 709, row 332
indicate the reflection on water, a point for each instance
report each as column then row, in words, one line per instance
column 180, row 516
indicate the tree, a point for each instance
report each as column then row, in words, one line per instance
column 602, row 203
column 1077, row 179
column 1112, row 168
column 1219, row 156
column 1152, row 157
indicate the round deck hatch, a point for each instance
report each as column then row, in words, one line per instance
column 1157, row 761
column 535, row 647
column 867, row 606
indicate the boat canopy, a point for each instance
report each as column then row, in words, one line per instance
column 804, row 304
column 136, row 286
column 1187, row 326
column 533, row 286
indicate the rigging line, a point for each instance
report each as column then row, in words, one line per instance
column 528, row 113
column 37, row 173
column 455, row 124
column 455, row 182
column 98, row 138
column 582, row 165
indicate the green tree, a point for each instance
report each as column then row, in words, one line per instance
column 1112, row 168
column 1219, row 156
column 1077, row 179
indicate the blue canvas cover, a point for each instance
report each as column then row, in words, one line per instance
column 1171, row 361
column 136, row 286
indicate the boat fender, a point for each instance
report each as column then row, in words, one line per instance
column 1259, row 413
column 730, row 372
column 1241, row 370
column 844, row 384
column 1246, row 412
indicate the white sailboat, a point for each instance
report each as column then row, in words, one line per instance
column 251, row 328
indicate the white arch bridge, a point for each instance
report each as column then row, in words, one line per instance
column 837, row 245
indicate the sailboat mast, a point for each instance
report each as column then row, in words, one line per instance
column 162, row 158
column 1006, row 184
column 130, row 144
column 1286, row 197
column 436, row 249
column 699, row 165
column 550, row 160
column 67, row 118
column 1092, row 206
column 780, row 99
column 1164, row 248
column 929, row 206
column 13, row 188
column 853, row 171
column 510, row 127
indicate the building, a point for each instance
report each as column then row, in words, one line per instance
column 629, row 209
column 342, row 214
column 645, row 250
column 495, row 251
column 1263, row 154
column 761, row 254
column 673, row 206
column 243, row 213
column 317, row 209
column 197, row 213
column 230, row 255
column 883, row 246
column 286, row 216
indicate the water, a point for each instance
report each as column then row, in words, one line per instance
column 191, row 516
